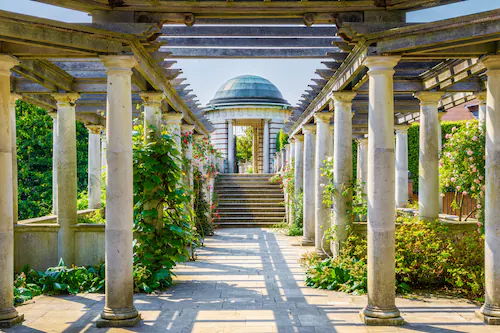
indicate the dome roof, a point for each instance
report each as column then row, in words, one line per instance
column 248, row 89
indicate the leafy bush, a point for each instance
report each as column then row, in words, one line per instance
column 34, row 156
column 428, row 255
column 203, row 223
column 58, row 280
column 462, row 166
column 281, row 140
column 159, row 243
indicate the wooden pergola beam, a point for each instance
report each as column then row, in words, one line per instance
column 248, row 31
column 209, row 53
column 248, row 42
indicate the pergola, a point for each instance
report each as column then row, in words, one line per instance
column 380, row 73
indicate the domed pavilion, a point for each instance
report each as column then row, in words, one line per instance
column 248, row 100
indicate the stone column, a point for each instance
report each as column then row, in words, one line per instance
column 119, row 309
column 15, row 190
column 267, row 149
column 490, row 312
column 292, row 150
column 54, row 161
column 255, row 151
column 230, row 146
column 481, row 97
column 104, row 162
column 94, row 183
column 362, row 165
column 342, row 166
column 440, row 148
column 299, row 163
column 381, row 308
column 286, row 154
column 309, row 184
column 323, row 150
column 8, row 314
column 66, row 175
column 428, row 169
column 401, row 166
column 174, row 122
column 152, row 114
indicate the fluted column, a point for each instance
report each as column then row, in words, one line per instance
column 309, row 184
column 230, row 147
column 428, row 169
column 490, row 312
column 66, row 175
column 152, row 114
column 119, row 309
column 8, row 314
column 362, row 163
column 324, row 147
column 401, row 166
column 342, row 167
column 267, row 148
column 174, row 122
column 481, row 97
column 15, row 189
column 381, row 308
column 94, row 160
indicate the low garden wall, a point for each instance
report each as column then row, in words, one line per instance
column 35, row 243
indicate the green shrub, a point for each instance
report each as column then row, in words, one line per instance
column 203, row 223
column 428, row 255
column 281, row 140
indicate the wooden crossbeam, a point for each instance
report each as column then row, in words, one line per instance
column 247, row 31
column 250, row 42
column 207, row 53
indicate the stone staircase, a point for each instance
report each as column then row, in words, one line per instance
column 249, row 200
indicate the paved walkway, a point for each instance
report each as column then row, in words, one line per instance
column 247, row 280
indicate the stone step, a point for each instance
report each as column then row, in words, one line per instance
column 245, row 208
column 249, row 186
column 247, row 219
column 239, row 200
column 253, row 224
column 251, row 214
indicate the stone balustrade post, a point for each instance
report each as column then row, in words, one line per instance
column 67, row 190
column 119, row 308
column 324, row 147
column 428, row 169
column 8, row 314
column 381, row 308
column 342, row 167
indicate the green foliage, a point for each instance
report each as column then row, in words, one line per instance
column 34, row 156
column 203, row 223
column 296, row 229
column 281, row 140
column 159, row 243
column 244, row 145
column 428, row 255
column 58, row 280
column 462, row 163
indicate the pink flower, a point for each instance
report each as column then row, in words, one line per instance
column 452, row 179
column 481, row 177
column 477, row 181
column 474, row 169
column 464, row 193
column 479, row 206
column 469, row 152
column 453, row 129
column 474, row 138
column 442, row 194
column 448, row 136
column 458, row 188
column 473, row 188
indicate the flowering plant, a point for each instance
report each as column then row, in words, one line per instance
column 462, row 165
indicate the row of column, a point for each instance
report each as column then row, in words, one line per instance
column 386, row 175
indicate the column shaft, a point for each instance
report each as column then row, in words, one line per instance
column 15, row 189
column 267, row 150
column 255, row 151
column 324, row 147
column 152, row 114
column 428, row 166
column 66, row 175
column 299, row 164
column 342, row 167
column 174, row 122
column 8, row 314
column 94, row 160
column 230, row 147
column 362, row 165
column 491, row 307
column 381, row 308
column 119, row 307
column 54, row 161
column 309, row 184
column 401, row 166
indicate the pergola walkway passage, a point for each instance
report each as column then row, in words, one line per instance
column 248, row 280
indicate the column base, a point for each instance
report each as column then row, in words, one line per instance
column 306, row 242
column 487, row 319
column 8, row 323
column 130, row 322
column 372, row 321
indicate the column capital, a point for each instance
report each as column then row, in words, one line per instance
column 66, row 99
column 6, row 64
column 94, row 129
column 381, row 63
column 309, row 129
column 152, row 98
column 299, row 137
column 441, row 114
column 286, row 146
column 492, row 62
column 229, row 121
column 173, row 118
column 401, row 129
column 14, row 97
column 266, row 120
column 323, row 117
column 343, row 96
column 428, row 97
column 481, row 97
column 187, row 128
column 53, row 114
column 362, row 141
column 197, row 136
column 119, row 64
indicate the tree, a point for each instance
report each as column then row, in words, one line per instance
column 244, row 145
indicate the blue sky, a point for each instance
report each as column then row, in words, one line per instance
column 290, row 76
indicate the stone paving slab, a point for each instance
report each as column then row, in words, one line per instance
column 247, row 281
